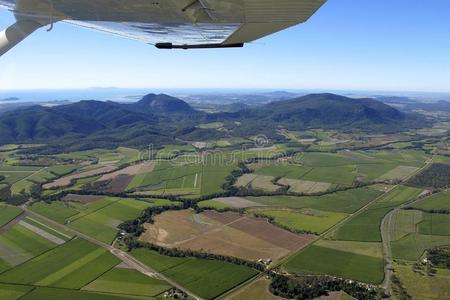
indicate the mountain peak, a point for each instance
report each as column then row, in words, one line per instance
column 162, row 103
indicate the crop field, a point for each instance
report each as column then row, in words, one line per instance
column 66, row 181
column 129, row 282
column 19, row 243
column 403, row 223
column 421, row 286
column 413, row 246
column 8, row 213
column 435, row 224
column 439, row 201
column 362, row 248
column 71, row 265
column 9, row 291
column 400, row 172
column 98, row 219
column 223, row 233
column 45, row 293
column 345, row 202
column 286, row 170
column 257, row 182
column 365, row 227
column 234, row 202
column 303, row 186
column 321, row 260
column 308, row 220
column 205, row 278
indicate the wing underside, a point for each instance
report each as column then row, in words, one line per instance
column 178, row 22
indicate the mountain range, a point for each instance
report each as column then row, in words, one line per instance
column 161, row 119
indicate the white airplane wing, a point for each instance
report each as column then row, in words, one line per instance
column 164, row 23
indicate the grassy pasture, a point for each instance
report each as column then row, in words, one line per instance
column 439, row 201
column 257, row 290
column 420, row 286
column 8, row 213
column 206, row 278
column 321, row 260
column 365, row 227
column 127, row 281
column 282, row 170
column 213, row 204
column 306, row 219
column 71, row 265
column 345, row 202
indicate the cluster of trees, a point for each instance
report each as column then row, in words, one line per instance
column 8, row 197
column 399, row 290
column 436, row 176
column 439, row 257
column 311, row 287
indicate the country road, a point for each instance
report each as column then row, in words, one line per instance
column 385, row 229
column 122, row 255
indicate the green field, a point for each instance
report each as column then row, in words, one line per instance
column 321, row 260
column 19, row 244
column 212, row 204
column 435, row 224
column 71, row 265
column 403, row 223
column 44, row 293
column 12, row 292
column 412, row 246
column 365, row 227
column 127, row 281
column 8, row 213
column 205, row 278
column 439, row 201
column 345, row 202
column 99, row 219
column 306, row 219
column 183, row 178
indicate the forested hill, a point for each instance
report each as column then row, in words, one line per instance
column 160, row 119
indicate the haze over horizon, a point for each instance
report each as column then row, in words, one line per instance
column 364, row 46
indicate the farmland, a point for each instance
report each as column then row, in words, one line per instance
column 98, row 219
column 206, row 278
column 316, row 259
column 227, row 234
column 305, row 220
column 314, row 212
column 345, row 202
column 127, row 281
column 366, row 226
column 71, row 265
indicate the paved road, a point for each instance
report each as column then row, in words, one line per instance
column 122, row 255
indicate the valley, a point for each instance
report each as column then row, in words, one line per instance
column 264, row 202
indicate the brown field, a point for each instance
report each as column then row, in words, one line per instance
column 228, row 234
column 257, row 182
column 237, row 202
column 141, row 168
column 65, row 181
column 304, row 186
column 84, row 199
column 119, row 184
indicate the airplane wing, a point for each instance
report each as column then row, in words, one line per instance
column 167, row 23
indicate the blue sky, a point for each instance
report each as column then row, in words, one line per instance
column 388, row 45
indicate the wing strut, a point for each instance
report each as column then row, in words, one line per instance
column 16, row 33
